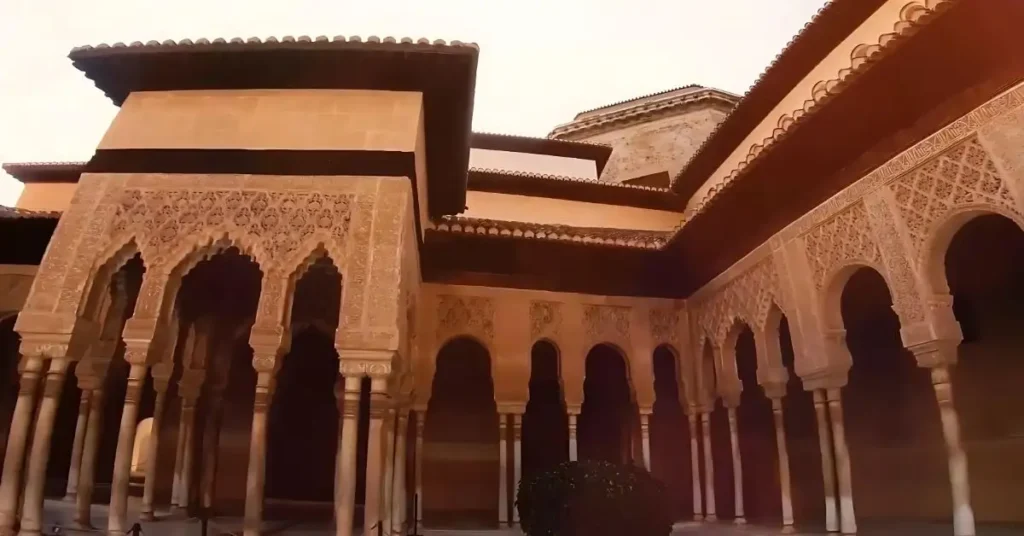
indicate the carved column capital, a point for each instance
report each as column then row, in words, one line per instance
column 517, row 426
column 833, row 376
column 44, row 345
column 371, row 363
column 136, row 379
column 936, row 353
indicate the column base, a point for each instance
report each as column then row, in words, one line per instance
column 788, row 529
column 740, row 521
column 698, row 517
column 146, row 516
column 711, row 517
column 29, row 532
column 70, row 497
column 77, row 525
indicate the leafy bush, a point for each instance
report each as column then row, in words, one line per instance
column 593, row 498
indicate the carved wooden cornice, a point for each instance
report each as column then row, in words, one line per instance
column 625, row 238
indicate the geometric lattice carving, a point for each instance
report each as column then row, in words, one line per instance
column 836, row 242
column 606, row 323
column 963, row 175
column 545, row 319
column 747, row 297
column 470, row 315
column 664, row 325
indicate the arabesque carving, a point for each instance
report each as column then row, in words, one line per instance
column 606, row 323
column 845, row 239
column 748, row 297
column 471, row 315
column 902, row 283
column 545, row 319
column 665, row 325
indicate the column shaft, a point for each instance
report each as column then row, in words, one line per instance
column 421, row 421
column 253, row 520
column 645, row 436
column 32, row 509
column 346, row 501
column 398, row 501
column 517, row 461
column 573, row 446
column 737, row 466
column 695, row 467
column 87, row 478
column 389, row 470
column 179, row 455
column 117, row 520
column 372, row 514
column 211, row 442
column 76, row 447
column 188, row 457
column 21, row 422
column 847, row 518
column 963, row 513
column 502, row 470
column 828, row 467
column 709, row 470
column 152, row 449
column 784, row 483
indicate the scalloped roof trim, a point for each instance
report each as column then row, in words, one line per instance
column 637, row 239
column 547, row 138
column 202, row 41
column 564, row 178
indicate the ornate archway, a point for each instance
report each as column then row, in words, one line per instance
column 670, row 435
column 545, row 423
column 607, row 416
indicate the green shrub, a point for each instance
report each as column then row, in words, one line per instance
column 593, row 498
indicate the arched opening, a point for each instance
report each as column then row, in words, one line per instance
column 140, row 450
column 9, row 357
column 892, row 420
column 670, row 435
column 217, row 299
column 985, row 269
column 460, row 462
column 762, row 500
column 721, row 443
column 807, row 486
column 708, row 387
column 545, row 423
column 606, row 419
column 301, row 452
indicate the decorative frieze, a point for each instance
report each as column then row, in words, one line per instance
column 545, row 319
column 465, row 315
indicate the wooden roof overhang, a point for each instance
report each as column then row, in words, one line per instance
column 967, row 55
column 36, row 172
column 26, row 234
column 573, row 189
column 597, row 152
column 444, row 73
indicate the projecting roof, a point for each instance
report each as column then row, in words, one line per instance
column 45, row 171
column 444, row 73
column 583, row 150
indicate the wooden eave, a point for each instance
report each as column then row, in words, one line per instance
column 573, row 189
column 36, row 172
column 597, row 152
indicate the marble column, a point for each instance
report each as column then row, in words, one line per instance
column 421, row 421
column 517, row 462
column 372, row 513
column 76, row 447
column 847, row 518
column 252, row 523
column 502, row 469
column 737, row 467
column 210, row 450
column 828, row 466
column 645, row 437
column 187, row 453
column 87, row 477
column 709, row 469
column 695, row 466
column 784, row 483
column 963, row 513
column 398, row 501
column 389, row 469
column 21, row 422
column 152, row 448
column 346, row 501
column 179, row 456
column 118, row 517
column 32, row 509
column 573, row 446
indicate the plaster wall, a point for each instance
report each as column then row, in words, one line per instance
column 509, row 207
column 324, row 119
column 869, row 32
column 533, row 163
column 15, row 282
column 664, row 144
column 47, row 196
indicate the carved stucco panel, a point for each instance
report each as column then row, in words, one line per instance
column 964, row 175
column 607, row 323
column 545, row 319
column 465, row 315
column 664, row 324
column 841, row 241
column 902, row 278
column 748, row 297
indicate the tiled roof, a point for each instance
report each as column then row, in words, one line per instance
column 642, row 97
column 642, row 112
column 321, row 41
column 44, row 171
column 14, row 213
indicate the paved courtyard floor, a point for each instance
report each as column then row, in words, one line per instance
column 59, row 513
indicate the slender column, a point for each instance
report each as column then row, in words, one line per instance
column 502, row 469
column 117, row 520
column 179, row 458
column 784, row 483
column 389, row 470
column 421, row 421
column 709, row 469
column 398, row 502
column 645, row 435
column 10, row 482
column 87, row 478
column 847, row 519
column 372, row 514
column 737, row 467
column 573, row 447
column 517, row 461
column 828, row 466
column 187, row 454
column 695, row 467
column 152, row 448
column 32, row 510
column 346, row 501
column 253, row 521
column 76, row 447
column 963, row 513
column 211, row 440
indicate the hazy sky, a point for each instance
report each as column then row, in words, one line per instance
column 541, row 61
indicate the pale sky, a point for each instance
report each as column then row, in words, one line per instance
column 541, row 61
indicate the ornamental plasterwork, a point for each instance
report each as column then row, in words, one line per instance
column 963, row 175
column 665, row 326
column 606, row 323
column 627, row 238
column 901, row 279
column 845, row 239
column 465, row 315
column 748, row 298
column 545, row 319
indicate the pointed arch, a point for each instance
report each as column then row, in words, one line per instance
column 933, row 253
